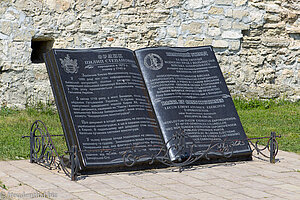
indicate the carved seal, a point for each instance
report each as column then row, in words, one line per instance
column 153, row 61
column 69, row 65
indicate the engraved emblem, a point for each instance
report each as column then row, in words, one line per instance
column 69, row 65
column 153, row 61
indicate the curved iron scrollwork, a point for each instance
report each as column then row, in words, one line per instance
column 182, row 147
column 42, row 148
column 179, row 151
column 182, row 144
column 131, row 156
column 271, row 145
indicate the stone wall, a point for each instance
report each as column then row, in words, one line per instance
column 257, row 42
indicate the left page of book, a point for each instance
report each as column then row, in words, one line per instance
column 103, row 105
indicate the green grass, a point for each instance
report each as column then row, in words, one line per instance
column 243, row 104
column 258, row 117
column 16, row 123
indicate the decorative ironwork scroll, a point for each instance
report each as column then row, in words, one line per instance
column 43, row 151
column 271, row 146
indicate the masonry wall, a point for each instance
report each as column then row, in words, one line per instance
column 257, row 42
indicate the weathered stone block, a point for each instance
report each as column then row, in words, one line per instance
column 220, row 43
column 256, row 60
column 207, row 41
column 273, row 8
column 194, row 4
column 89, row 27
column 234, row 45
column 268, row 91
column 272, row 32
column 239, row 14
column 226, row 24
column 6, row 27
column 193, row 27
column 213, row 31
column 180, row 41
column 104, row 2
column 208, row 2
column 172, row 3
column 10, row 15
column 58, row 5
column 147, row 1
column 67, row 19
column 228, row 12
column 275, row 25
column 2, row 10
column 87, row 14
column 295, row 45
column 256, row 16
column 240, row 2
column 223, row 2
column 23, row 36
column 287, row 73
column 272, row 17
column 199, row 15
column 275, row 42
column 216, row 10
column 193, row 43
column 172, row 32
column 214, row 22
column 65, row 5
column 291, row 16
column 128, row 3
column 232, row 34
column 246, row 74
column 240, row 26
column 293, row 29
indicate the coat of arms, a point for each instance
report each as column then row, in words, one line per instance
column 69, row 65
column 153, row 61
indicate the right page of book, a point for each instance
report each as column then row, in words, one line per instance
column 190, row 97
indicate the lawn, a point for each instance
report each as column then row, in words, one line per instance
column 259, row 118
column 17, row 123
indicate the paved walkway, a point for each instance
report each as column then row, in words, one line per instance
column 256, row 179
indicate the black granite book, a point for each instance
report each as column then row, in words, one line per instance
column 119, row 105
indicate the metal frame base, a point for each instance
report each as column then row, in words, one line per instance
column 43, row 151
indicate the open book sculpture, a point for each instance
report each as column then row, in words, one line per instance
column 119, row 106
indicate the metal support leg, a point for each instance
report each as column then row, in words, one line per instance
column 272, row 147
column 73, row 163
column 31, row 146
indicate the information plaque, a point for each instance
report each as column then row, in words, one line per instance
column 114, row 100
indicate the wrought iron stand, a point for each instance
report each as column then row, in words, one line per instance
column 43, row 151
column 272, row 146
